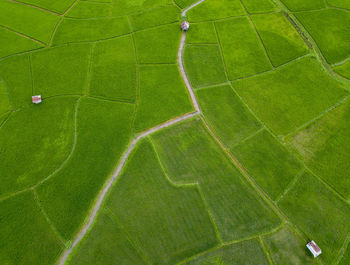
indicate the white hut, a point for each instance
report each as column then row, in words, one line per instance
column 36, row 99
column 185, row 25
column 314, row 249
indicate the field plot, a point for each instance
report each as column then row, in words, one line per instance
column 339, row 3
column 87, row 9
column 202, row 33
column 343, row 70
column 56, row 6
column 301, row 5
column 259, row 6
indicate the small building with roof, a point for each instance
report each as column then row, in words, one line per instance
column 36, row 99
column 314, row 249
column 185, row 26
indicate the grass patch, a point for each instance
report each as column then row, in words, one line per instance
column 154, row 17
column 35, row 131
column 84, row 9
column 329, row 28
column 241, row 47
column 125, row 7
column 107, row 243
column 190, row 155
column 301, row 5
column 27, row 20
column 171, row 223
column 287, row 249
column 104, row 130
column 163, row 96
column 339, row 3
column 343, row 70
column 26, row 237
column 227, row 116
column 282, row 42
column 61, row 70
column 346, row 258
column 203, row 32
column 185, row 3
column 59, row 6
column 158, row 45
column 5, row 104
column 268, row 163
column 295, row 94
column 319, row 213
column 79, row 30
column 325, row 145
column 259, row 6
column 216, row 9
column 204, row 65
column 114, row 69
column 246, row 252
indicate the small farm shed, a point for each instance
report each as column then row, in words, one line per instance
column 36, row 99
column 314, row 249
column 185, row 25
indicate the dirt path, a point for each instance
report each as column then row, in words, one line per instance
column 121, row 164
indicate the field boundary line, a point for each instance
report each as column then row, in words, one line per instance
column 265, row 250
column 290, row 186
column 184, row 12
column 23, row 35
column 211, row 86
column 137, row 88
column 121, row 101
column 54, row 31
column 343, row 249
column 249, row 136
column 90, row 66
column 221, row 52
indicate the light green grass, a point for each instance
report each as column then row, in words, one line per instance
column 163, row 96
column 15, row 43
column 43, row 137
column 124, row 7
column 84, row 9
column 294, row 94
column 203, row 32
column 286, row 248
column 158, row 45
column 18, row 87
column 343, row 70
column 26, row 237
column 243, row 53
column 281, row 40
column 59, row 6
column 104, row 130
column 106, row 244
column 5, row 104
column 216, row 9
column 325, row 145
column 190, row 155
column 268, row 163
column 329, row 29
column 113, row 73
column 168, row 222
column 155, row 17
column 226, row 114
column 79, row 30
column 61, row 70
column 204, row 65
column 301, row 5
column 27, row 20
column 319, row 213
column 259, row 6
column 339, row 3
column 246, row 252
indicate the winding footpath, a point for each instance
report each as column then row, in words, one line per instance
column 102, row 195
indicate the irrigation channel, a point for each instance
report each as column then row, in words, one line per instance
column 102, row 195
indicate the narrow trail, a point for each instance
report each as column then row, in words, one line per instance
column 102, row 195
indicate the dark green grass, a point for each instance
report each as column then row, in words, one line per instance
column 281, row 40
column 227, row 116
column 268, row 163
column 114, row 69
column 61, row 70
column 294, row 94
column 104, row 130
column 79, row 30
column 320, row 214
column 158, row 45
column 29, row 136
column 124, row 7
column 189, row 154
column 106, row 244
column 339, row 3
column 168, row 222
column 3, row 118
column 90, row 10
column 286, row 248
column 246, row 252
column 154, row 17
column 325, row 146
column 55, row 5
column 15, row 43
column 300, row 5
column 204, row 65
column 243, row 53
column 26, row 237
column 216, row 9
column 259, row 6
column 330, row 30
column 343, row 70
column 5, row 104
column 203, row 32
column 185, row 3
column 27, row 20
column 18, row 87
column 346, row 258
column 163, row 96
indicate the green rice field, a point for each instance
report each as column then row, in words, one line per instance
column 225, row 144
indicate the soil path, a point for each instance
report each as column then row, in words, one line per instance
column 109, row 184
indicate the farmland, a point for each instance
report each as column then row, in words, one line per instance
column 226, row 144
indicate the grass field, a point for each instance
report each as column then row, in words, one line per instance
column 227, row 144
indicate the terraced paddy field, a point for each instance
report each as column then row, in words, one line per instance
column 226, row 144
